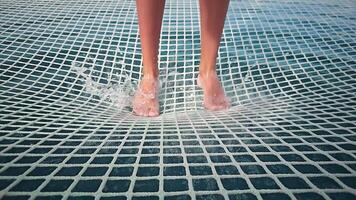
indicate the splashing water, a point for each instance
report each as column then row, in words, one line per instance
column 118, row 92
column 118, row 89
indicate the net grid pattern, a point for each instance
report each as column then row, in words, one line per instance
column 69, row 68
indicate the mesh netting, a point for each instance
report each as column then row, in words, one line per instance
column 69, row 69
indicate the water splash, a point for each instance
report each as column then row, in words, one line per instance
column 248, row 76
column 118, row 91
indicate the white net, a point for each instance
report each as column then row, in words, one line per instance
column 68, row 70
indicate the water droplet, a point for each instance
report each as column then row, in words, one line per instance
column 119, row 93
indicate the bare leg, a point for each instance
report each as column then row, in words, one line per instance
column 212, row 17
column 150, row 13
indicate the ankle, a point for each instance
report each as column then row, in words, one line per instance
column 150, row 76
column 207, row 74
column 150, row 71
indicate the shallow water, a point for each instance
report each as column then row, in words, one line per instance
column 118, row 90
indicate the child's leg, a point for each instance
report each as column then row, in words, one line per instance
column 150, row 13
column 212, row 17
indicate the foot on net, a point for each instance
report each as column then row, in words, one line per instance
column 145, row 102
column 214, row 96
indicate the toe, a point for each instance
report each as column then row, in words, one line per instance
column 211, row 106
column 137, row 112
column 145, row 110
column 154, row 110
column 153, row 113
column 141, row 111
column 220, row 104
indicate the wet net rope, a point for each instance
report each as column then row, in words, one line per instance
column 68, row 70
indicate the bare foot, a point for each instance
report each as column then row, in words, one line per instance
column 214, row 96
column 145, row 102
